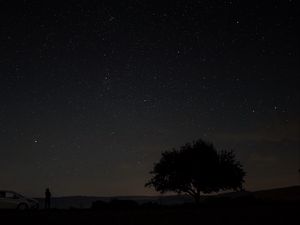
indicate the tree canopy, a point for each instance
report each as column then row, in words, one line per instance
column 197, row 168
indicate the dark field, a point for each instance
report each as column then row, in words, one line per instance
column 263, row 214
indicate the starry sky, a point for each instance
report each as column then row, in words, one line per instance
column 92, row 92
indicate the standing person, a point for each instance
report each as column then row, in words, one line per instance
column 47, row 198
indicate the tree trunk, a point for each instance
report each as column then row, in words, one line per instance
column 197, row 198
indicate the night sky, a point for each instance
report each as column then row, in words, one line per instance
column 92, row 92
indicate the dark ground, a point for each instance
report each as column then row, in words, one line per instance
column 256, row 214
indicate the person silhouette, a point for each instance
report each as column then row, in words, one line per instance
column 47, row 199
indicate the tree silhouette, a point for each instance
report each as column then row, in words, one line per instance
column 197, row 168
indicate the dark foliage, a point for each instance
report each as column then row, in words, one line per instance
column 197, row 168
column 99, row 205
column 126, row 204
column 115, row 204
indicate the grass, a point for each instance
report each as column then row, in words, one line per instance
column 221, row 215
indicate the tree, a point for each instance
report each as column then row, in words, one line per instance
column 197, row 168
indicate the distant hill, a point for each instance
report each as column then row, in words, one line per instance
column 290, row 194
column 86, row 201
column 280, row 194
column 287, row 194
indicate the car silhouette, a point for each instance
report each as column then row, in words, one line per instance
column 13, row 200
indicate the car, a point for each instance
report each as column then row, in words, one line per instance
column 14, row 200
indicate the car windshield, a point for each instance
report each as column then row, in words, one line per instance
column 13, row 195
